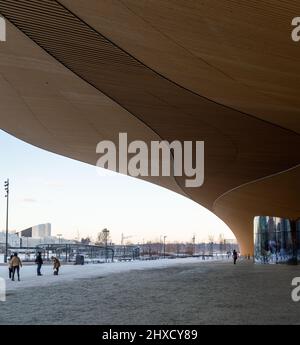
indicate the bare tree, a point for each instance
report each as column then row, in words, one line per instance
column 211, row 244
column 221, row 243
column 103, row 237
column 86, row 240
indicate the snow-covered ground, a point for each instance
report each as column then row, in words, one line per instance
column 29, row 277
column 182, row 292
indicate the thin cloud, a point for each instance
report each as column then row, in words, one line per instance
column 29, row 200
column 55, row 184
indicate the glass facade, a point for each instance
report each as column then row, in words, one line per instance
column 298, row 239
column 273, row 240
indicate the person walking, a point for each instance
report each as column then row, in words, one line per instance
column 56, row 265
column 10, row 270
column 39, row 262
column 16, row 263
column 235, row 256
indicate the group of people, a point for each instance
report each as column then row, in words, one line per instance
column 39, row 261
column 15, row 263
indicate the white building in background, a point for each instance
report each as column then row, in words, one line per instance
column 13, row 239
column 34, row 241
column 32, row 237
column 37, row 231
column 41, row 230
column 39, row 234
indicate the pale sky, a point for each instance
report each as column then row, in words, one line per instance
column 74, row 197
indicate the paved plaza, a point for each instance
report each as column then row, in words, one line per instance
column 189, row 292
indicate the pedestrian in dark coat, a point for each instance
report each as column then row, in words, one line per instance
column 39, row 262
column 235, row 256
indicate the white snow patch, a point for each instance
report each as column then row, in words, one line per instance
column 29, row 276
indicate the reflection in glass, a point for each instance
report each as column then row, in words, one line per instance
column 273, row 241
column 298, row 239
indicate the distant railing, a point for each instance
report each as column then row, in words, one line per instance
column 69, row 251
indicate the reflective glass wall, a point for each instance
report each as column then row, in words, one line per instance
column 273, row 240
column 298, row 240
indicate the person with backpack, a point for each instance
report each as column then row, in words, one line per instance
column 16, row 264
column 39, row 262
column 56, row 265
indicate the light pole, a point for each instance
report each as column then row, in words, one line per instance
column 59, row 236
column 194, row 245
column 106, row 234
column 165, row 246
column 123, row 244
column 6, row 187
column 160, row 246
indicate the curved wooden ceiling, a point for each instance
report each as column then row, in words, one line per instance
column 45, row 104
column 235, row 52
column 250, row 136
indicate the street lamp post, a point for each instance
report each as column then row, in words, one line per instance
column 160, row 246
column 165, row 246
column 106, row 234
column 194, row 245
column 6, row 187
column 59, row 237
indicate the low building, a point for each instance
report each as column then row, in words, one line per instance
column 13, row 239
column 37, row 231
